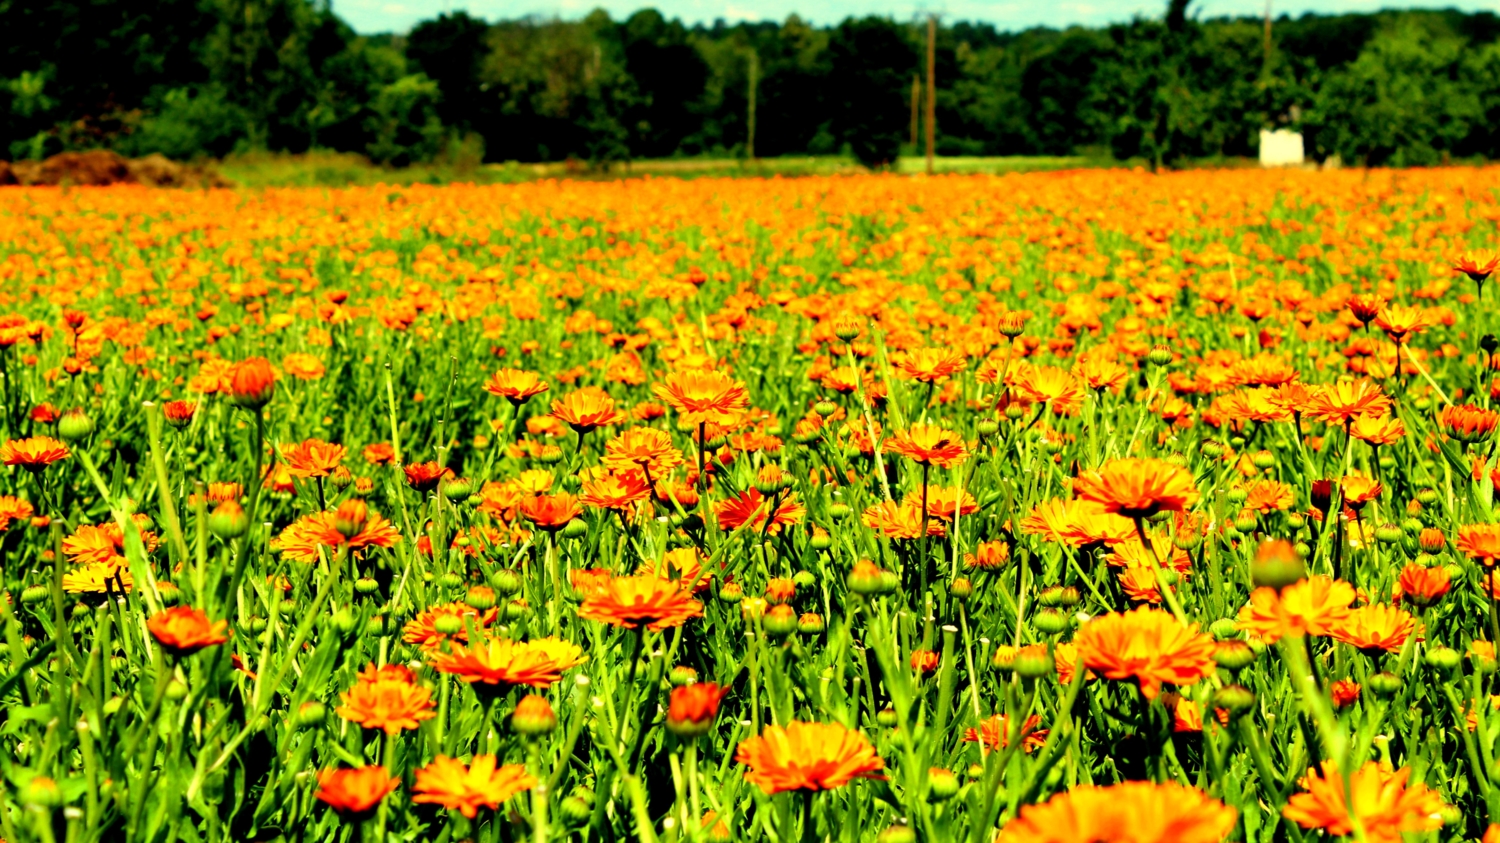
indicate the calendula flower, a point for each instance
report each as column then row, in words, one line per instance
column 1315, row 606
column 355, row 793
column 550, row 512
column 1386, row 805
column 312, row 458
column 1480, row 542
column 901, row 520
column 1400, row 321
column 615, row 491
column 692, row 708
column 1467, row 423
column 643, row 449
column 482, row 784
column 1341, row 403
column 926, row 444
column 586, row 409
column 704, row 396
column 753, row 509
column 304, row 538
column 1147, row 645
column 515, row 385
column 1129, row 812
column 183, row 630
column 988, row 556
column 641, row 599
column 249, row 383
column 1378, row 431
column 34, row 453
column 423, row 631
column 929, row 365
column 807, row 756
column 1478, row 264
column 500, row 661
column 387, row 698
column 994, row 732
column 1422, row 586
column 1376, row 628
column 1138, row 488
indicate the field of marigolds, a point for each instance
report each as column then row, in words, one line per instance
column 1073, row 507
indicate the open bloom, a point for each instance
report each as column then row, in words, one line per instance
column 355, row 793
column 692, row 708
column 387, row 698
column 183, row 630
column 926, row 444
column 500, row 661
column 249, row 383
column 34, row 453
column 1129, row 812
column 587, row 408
column 704, row 396
column 1381, row 798
column 312, row 458
column 1341, row 403
column 807, row 756
column 1478, row 265
column 1375, row 628
column 641, row 599
column 642, row 449
column 1138, row 488
column 515, row 385
column 1467, row 423
column 1147, row 645
column 550, row 512
column 1481, row 542
column 1315, row 606
column 753, row 509
column 304, row 538
column 994, row 732
column 447, row 782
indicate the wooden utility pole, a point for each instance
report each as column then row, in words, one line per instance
column 1266, row 49
column 754, row 73
column 931, row 85
column 916, row 101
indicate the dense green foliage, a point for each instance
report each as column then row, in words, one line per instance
column 205, row 77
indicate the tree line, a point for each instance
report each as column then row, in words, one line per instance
column 195, row 78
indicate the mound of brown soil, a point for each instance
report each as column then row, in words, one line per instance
column 101, row 167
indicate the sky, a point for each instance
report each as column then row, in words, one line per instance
column 370, row 16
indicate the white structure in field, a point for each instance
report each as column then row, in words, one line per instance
column 1280, row 148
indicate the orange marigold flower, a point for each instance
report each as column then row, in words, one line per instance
column 945, row 502
column 13, row 509
column 1359, row 490
column 1138, row 488
column 381, row 453
column 1467, row 423
column 1378, row 431
column 641, row 599
column 1478, row 264
column 387, row 698
column 1422, row 586
column 1480, row 542
column 500, row 661
column 515, row 385
column 929, row 365
column 1265, row 496
column 752, row 508
column 249, row 383
column 1365, row 307
column 586, row 409
column 1147, row 645
column 807, row 756
column 1315, row 606
column 1342, row 403
column 926, row 444
column 183, row 630
column 642, row 449
column 1383, row 800
column 312, row 458
column 988, row 556
column 33, row 453
column 550, row 512
column 425, row 476
column 482, row 784
column 704, row 396
column 1137, row 812
column 994, row 732
column 615, row 491
column 692, row 708
column 1399, row 320
column 1059, row 390
column 355, row 793
column 1376, row 627
column 303, row 538
column 901, row 520
column 1344, row 693
column 179, row 413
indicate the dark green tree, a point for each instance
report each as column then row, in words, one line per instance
column 871, row 63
